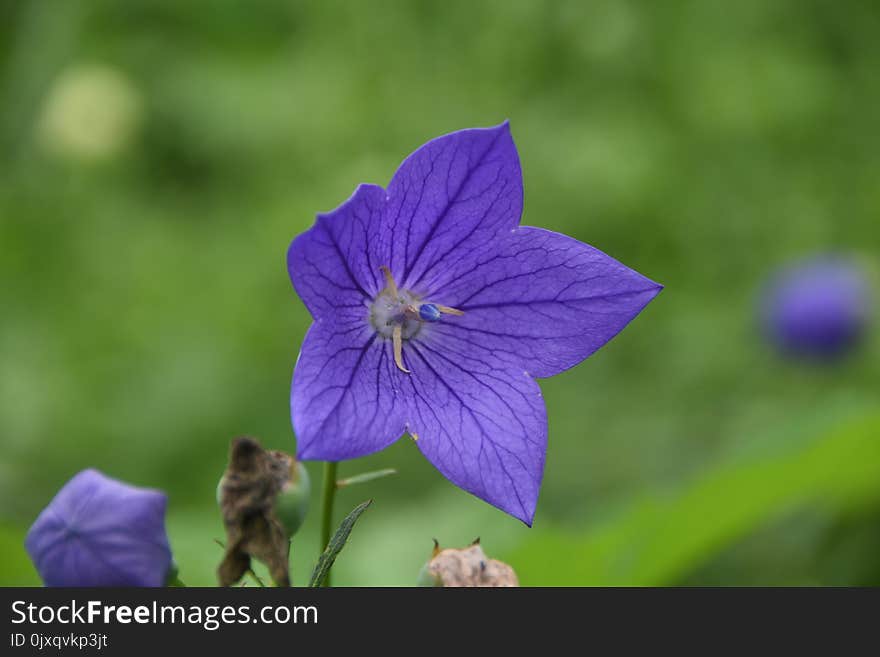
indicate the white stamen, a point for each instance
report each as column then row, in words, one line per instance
column 397, row 340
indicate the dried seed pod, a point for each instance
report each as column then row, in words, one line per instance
column 465, row 567
column 250, row 495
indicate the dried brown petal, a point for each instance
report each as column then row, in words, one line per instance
column 469, row 567
column 250, row 485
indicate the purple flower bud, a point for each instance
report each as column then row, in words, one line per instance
column 817, row 309
column 101, row 532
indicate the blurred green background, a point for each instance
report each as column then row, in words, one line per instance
column 157, row 157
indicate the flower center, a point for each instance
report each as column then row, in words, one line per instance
column 400, row 314
column 391, row 310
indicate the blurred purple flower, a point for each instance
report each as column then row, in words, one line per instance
column 101, row 532
column 435, row 312
column 817, row 309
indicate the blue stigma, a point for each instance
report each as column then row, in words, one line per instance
column 428, row 312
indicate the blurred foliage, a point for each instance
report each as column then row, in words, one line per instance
column 157, row 157
column 660, row 538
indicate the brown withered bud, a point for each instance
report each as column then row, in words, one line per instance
column 465, row 567
column 248, row 490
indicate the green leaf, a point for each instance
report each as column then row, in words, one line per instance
column 365, row 477
column 175, row 582
column 16, row 568
column 172, row 579
column 660, row 538
column 334, row 547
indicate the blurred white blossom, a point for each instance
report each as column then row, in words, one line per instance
column 91, row 113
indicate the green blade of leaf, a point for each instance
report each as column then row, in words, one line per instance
column 175, row 582
column 660, row 538
column 172, row 579
column 16, row 569
column 365, row 477
column 334, row 547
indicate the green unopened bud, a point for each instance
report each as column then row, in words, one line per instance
column 292, row 503
column 465, row 567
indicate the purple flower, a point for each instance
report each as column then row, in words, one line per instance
column 817, row 309
column 101, row 532
column 435, row 312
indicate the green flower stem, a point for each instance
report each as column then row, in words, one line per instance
column 327, row 495
column 174, row 581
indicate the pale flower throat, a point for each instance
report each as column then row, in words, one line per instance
column 399, row 315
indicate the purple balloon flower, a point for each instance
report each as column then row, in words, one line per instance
column 435, row 311
column 101, row 532
column 817, row 309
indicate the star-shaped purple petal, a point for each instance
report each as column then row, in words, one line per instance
column 435, row 312
column 101, row 532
